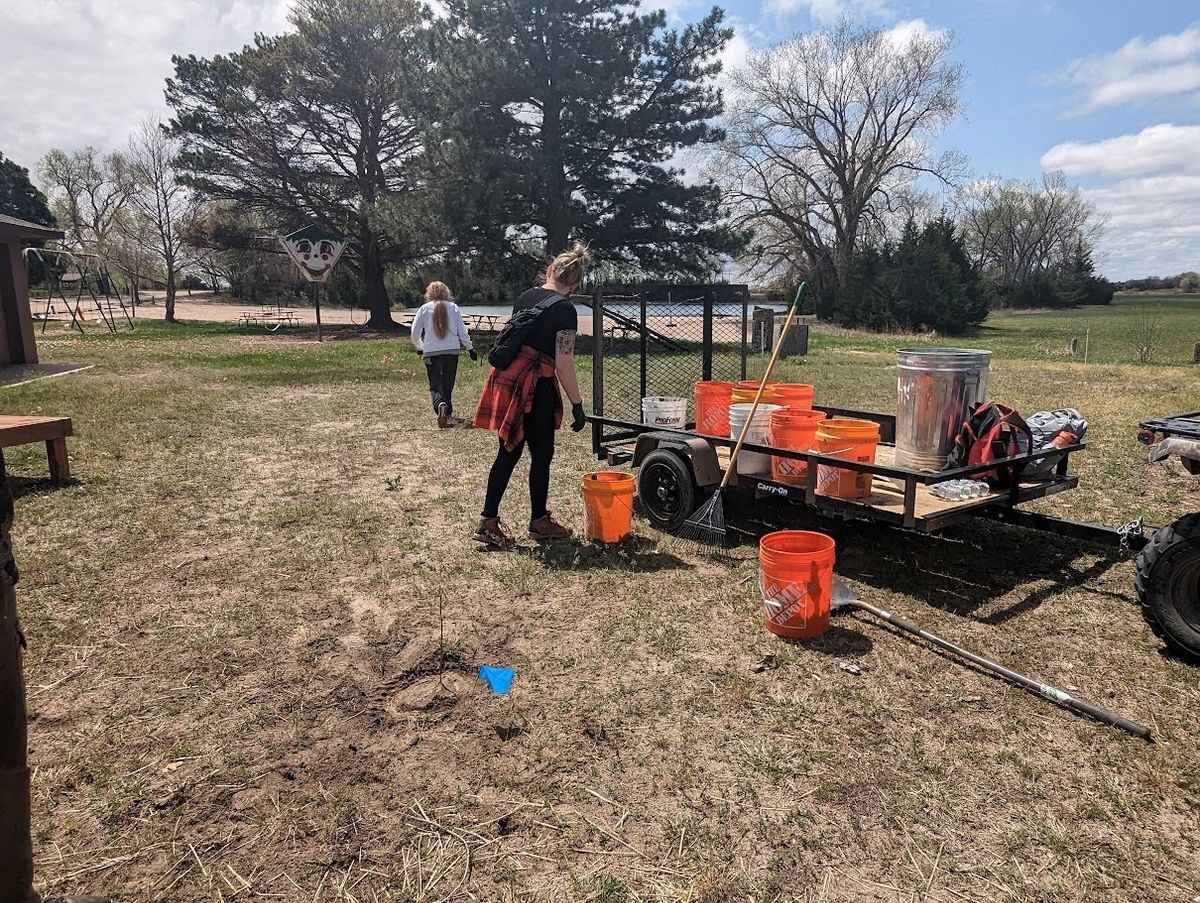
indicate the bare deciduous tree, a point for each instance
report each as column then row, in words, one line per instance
column 161, row 208
column 1146, row 336
column 826, row 136
column 87, row 192
column 1016, row 229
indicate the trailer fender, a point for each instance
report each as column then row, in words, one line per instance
column 698, row 452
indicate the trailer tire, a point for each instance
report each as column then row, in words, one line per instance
column 666, row 489
column 1168, row 584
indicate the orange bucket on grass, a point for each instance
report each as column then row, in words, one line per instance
column 712, row 408
column 853, row 440
column 744, row 392
column 797, row 396
column 796, row 578
column 608, row 505
column 795, row 430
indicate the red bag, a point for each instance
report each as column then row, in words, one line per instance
column 991, row 433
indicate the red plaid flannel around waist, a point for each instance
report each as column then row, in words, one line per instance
column 508, row 396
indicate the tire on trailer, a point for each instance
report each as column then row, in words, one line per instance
column 666, row 489
column 1168, row 584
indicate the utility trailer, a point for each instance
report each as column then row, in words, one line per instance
column 677, row 469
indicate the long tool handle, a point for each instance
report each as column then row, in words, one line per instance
column 1054, row 694
column 787, row 325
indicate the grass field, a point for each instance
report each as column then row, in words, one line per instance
column 238, row 687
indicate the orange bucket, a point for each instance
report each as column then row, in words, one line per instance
column 744, row 392
column 853, row 440
column 796, row 578
column 797, row 396
column 608, row 505
column 712, row 408
column 795, row 430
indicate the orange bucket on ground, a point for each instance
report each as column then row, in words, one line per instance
column 744, row 392
column 608, row 505
column 797, row 396
column 796, row 578
column 712, row 408
column 853, row 440
column 795, row 430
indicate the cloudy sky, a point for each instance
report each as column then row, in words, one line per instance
column 1108, row 91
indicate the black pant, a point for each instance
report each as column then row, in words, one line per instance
column 442, row 370
column 539, row 436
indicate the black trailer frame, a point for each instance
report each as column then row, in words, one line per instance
column 904, row 500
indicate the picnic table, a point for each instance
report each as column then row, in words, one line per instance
column 16, row 430
column 267, row 314
column 492, row 321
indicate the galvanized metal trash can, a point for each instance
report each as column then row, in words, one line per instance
column 935, row 389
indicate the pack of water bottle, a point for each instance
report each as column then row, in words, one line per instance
column 960, row 490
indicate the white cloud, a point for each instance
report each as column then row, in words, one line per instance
column 1147, row 184
column 902, row 33
column 1165, row 148
column 828, row 11
column 79, row 72
column 1141, row 71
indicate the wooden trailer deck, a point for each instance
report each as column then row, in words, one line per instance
column 888, row 503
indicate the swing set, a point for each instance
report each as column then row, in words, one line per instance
column 83, row 274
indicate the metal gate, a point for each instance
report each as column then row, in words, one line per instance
column 655, row 339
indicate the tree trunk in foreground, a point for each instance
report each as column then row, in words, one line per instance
column 16, row 844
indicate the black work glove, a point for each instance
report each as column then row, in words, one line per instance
column 473, row 354
column 578, row 418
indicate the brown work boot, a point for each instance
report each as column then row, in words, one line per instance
column 443, row 416
column 491, row 532
column 547, row 528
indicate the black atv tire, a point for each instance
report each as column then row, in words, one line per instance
column 1168, row 584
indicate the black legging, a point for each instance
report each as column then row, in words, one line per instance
column 442, row 370
column 539, row 436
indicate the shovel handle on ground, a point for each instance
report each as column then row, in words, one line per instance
column 1055, row 695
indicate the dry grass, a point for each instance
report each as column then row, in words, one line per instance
column 238, row 688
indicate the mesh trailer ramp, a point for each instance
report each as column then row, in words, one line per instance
column 708, row 336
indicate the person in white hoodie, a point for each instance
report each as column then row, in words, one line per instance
column 439, row 333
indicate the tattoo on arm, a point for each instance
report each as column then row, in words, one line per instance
column 565, row 343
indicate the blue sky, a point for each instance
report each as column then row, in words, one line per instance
column 1107, row 91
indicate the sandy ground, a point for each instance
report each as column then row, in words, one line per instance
column 204, row 308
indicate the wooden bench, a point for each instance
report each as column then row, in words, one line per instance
column 51, row 430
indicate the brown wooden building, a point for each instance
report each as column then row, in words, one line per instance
column 17, row 344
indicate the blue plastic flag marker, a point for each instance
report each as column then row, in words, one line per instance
column 497, row 679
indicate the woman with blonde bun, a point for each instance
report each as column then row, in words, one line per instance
column 522, row 403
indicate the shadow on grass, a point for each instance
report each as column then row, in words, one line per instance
column 23, row 486
column 985, row 571
column 635, row 554
column 837, row 642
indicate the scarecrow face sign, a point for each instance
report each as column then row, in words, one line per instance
column 315, row 250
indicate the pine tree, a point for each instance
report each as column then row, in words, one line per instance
column 564, row 119
column 20, row 198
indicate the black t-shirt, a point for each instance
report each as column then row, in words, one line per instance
column 559, row 318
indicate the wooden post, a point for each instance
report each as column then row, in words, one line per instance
column 60, row 464
column 16, row 844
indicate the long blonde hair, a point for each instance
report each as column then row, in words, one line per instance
column 571, row 265
column 439, row 293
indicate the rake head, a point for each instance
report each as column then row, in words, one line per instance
column 706, row 527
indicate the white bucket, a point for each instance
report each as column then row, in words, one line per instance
column 666, row 411
column 752, row 463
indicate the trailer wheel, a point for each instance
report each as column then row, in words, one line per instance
column 1168, row 584
column 666, row 489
